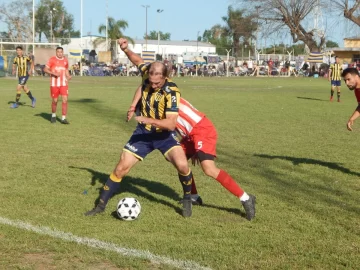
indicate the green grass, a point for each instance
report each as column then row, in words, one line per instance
column 279, row 138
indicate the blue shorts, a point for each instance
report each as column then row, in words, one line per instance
column 23, row 80
column 143, row 142
column 335, row 83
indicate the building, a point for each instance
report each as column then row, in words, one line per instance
column 165, row 48
column 350, row 52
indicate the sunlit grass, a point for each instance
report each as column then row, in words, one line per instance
column 280, row 138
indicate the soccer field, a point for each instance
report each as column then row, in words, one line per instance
column 280, row 138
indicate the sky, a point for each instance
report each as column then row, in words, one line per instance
column 183, row 19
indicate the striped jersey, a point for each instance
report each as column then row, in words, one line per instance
column 23, row 65
column 60, row 66
column 188, row 117
column 157, row 103
column 336, row 70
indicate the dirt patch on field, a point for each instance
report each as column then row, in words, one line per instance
column 40, row 261
column 48, row 262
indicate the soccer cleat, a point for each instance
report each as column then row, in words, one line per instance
column 65, row 122
column 195, row 199
column 249, row 207
column 187, row 207
column 338, row 99
column 33, row 102
column 14, row 106
column 331, row 99
column 53, row 120
column 97, row 210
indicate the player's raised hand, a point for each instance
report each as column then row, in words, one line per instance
column 123, row 43
column 349, row 125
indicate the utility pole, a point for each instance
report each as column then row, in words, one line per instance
column 146, row 37
column 159, row 11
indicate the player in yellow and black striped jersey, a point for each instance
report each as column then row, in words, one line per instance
column 157, row 103
column 159, row 107
column 24, row 67
column 335, row 78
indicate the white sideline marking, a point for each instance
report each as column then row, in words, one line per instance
column 91, row 242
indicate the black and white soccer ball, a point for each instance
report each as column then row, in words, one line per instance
column 128, row 209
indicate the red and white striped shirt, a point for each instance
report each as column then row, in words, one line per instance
column 59, row 66
column 188, row 117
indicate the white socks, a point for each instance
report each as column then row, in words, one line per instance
column 244, row 197
column 53, row 115
column 63, row 117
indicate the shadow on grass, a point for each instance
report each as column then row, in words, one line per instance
column 84, row 100
column 134, row 185
column 107, row 113
column 297, row 161
column 315, row 99
column 47, row 116
column 19, row 103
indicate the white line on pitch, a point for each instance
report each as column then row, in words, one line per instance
column 91, row 242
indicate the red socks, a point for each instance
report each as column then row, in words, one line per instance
column 227, row 182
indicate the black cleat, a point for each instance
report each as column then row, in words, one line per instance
column 249, row 207
column 195, row 200
column 187, row 207
column 97, row 210
column 65, row 121
column 53, row 120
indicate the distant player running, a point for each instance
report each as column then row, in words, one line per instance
column 352, row 81
column 58, row 69
column 199, row 139
column 335, row 78
column 24, row 67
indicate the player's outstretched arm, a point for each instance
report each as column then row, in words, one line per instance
column 353, row 117
column 133, row 57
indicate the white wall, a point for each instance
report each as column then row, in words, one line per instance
column 164, row 50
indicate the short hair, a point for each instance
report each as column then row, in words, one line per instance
column 19, row 47
column 352, row 71
column 59, row 48
column 164, row 70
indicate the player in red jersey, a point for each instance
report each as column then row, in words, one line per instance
column 58, row 69
column 352, row 81
column 198, row 139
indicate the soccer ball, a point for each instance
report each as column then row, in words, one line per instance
column 128, row 209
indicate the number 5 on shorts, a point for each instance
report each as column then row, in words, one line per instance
column 200, row 145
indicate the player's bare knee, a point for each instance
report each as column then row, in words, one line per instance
column 121, row 171
column 182, row 168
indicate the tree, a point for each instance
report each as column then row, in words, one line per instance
column 51, row 14
column 153, row 35
column 351, row 12
column 115, row 31
column 237, row 26
column 278, row 15
column 215, row 36
column 16, row 16
column 331, row 44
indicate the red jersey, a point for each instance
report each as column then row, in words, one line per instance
column 60, row 66
column 188, row 117
column 357, row 94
